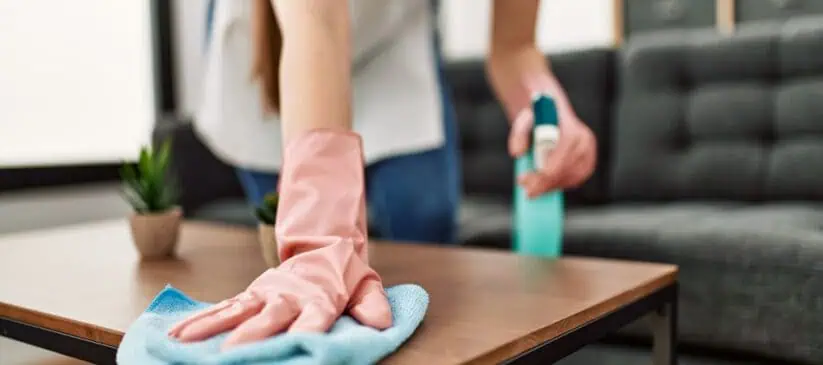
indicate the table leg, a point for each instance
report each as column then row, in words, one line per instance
column 664, row 330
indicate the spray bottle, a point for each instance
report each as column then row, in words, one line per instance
column 538, row 221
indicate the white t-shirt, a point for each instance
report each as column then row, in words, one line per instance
column 396, row 95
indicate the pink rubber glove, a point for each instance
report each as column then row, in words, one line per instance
column 321, row 233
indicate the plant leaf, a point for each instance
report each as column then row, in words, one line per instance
column 270, row 201
column 134, row 199
column 147, row 185
column 145, row 165
column 127, row 173
column 149, row 194
column 131, row 181
column 167, row 196
column 163, row 156
column 264, row 215
column 143, row 161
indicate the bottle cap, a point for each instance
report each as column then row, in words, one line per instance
column 545, row 110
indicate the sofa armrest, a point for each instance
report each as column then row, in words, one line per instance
column 202, row 177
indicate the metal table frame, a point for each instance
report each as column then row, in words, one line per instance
column 69, row 345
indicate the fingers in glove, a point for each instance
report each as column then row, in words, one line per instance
column 221, row 321
column 521, row 132
column 274, row 318
column 372, row 307
column 175, row 330
column 316, row 317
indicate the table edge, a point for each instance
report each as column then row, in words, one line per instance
column 63, row 325
column 113, row 337
column 515, row 347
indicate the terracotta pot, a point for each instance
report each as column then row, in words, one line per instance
column 155, row 235
column 268, row 244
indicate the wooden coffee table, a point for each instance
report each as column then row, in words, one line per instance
column 75, row 290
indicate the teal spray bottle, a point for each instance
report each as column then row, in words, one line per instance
column 538, row 221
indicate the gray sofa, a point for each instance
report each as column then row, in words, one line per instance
column 711, row 157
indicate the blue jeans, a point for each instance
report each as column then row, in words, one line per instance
column 412, row 197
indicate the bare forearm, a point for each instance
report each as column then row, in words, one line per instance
column 513, row 24
column 315, row 75
column 513, row 46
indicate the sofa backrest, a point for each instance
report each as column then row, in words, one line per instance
column 487, row 168
column 193, row 164
column 706, row 116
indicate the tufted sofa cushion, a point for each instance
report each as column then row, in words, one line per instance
column 703, row 116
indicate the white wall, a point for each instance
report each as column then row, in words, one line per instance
column 76, row 81
column 563, row 25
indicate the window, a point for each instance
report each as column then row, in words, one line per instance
column 76, row 81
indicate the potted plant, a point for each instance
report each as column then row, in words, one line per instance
column 266, row 214
column 152, row 194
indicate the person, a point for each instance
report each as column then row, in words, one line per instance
column 401, row 107
column 358, row 98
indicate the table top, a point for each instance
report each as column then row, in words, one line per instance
column 486, row 306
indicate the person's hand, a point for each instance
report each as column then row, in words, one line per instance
column 515, row 75
column 306, row 294
column 321, row 234
column 568, row 165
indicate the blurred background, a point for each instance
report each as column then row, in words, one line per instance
column 83, row 83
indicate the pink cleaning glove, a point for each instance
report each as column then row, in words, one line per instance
column 321, row 233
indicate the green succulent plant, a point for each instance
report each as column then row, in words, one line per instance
column 147, row 184
column 267, row 211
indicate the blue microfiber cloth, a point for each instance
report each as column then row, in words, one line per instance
column 347, row 342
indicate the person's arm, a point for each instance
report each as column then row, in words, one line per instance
column 516, row 69
column 320, row 226
column 516, row 65
column 315, row 72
